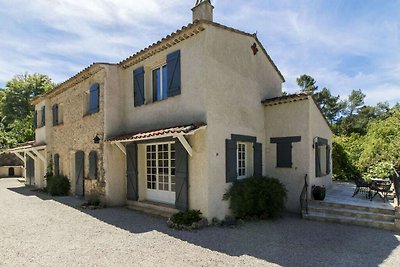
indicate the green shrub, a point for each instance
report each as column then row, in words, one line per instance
column 58, row 185
column 262, row 197
column 186, row 218
column 382, row 169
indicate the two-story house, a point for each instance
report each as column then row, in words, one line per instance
column 179, row 121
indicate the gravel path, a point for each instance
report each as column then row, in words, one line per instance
column 37, row 230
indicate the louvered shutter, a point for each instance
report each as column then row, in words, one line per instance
column 93, row 165
column 138, row 86
column 284, row 155
column 132, row 172
column 257, row 159
column 55, row 114
column 35, row 120
column 231, row 160
column 181, row 177
column 56, row 164
column 328, row 159
column 79, row 173
column 94, row 97
column 317, row 161
column 43, row 120
column 174, row 73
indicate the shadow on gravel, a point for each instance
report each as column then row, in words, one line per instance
column 288, row 241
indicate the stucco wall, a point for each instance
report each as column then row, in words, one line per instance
column 319, row 128
column 237, row 82
column 18, row 170
column 284, row 120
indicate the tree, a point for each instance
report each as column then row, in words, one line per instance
column 330, row 105
column 354, row 102
column 18, row 94
column 307, row 84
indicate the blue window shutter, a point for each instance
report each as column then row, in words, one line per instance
column 55, row 114
column 257, row 161
column 138, row 86
column 132, row 192
column 93, row 165
column 43, row 116
column 182, row 177
column 35, row 120
column 56, row 164
column 174, row 73
column 94, row 96
column 231, row 160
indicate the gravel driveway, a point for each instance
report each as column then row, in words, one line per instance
column 36, row 230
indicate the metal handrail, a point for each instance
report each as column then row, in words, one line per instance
column 304, row 197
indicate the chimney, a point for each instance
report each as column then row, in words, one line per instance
column 203, row 10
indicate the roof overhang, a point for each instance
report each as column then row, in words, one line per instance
column 178, row 132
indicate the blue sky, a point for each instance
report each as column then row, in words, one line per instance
column 343, row 44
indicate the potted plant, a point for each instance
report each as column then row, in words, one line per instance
column 318, row 192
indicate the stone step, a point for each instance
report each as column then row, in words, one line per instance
column 323, row 217
column 153, row 208
column 348, row 206
column 351, row 213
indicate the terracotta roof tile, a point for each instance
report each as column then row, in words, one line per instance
column 285, row 99
column 187, row 129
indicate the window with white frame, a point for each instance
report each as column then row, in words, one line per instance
column 241, row 160
column 160, row 166
column 160, row 83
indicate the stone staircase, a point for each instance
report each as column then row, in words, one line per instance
column 157, row 209
column 325, row 211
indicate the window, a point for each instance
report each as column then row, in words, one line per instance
column 43, row 116
column 93, row 165
column 243, row 157
column 160, row 83
column 160, row 167
column 241, row 160
column 94, row 97
column 322, row 157
column 54, row 109
column 284, row 150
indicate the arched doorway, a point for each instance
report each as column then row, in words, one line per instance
column 11, row 172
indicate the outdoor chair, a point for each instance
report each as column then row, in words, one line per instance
column 381, row 189
column 362, row 186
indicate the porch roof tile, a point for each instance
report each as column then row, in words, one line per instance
column 186, row 129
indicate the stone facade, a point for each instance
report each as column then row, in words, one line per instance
column 77, row 131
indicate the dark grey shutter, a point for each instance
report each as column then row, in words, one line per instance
column 56, row 164
column 93, row 165
column 181, row 177
column 317, row 161
column 138, row 86
column 231, row 160
column 132, row 172
column 30, row 170
column 55, row 114
column 79, row 173
column 43, row 116
column 174, row 73
column 284, row 155
column 257, row 159
column 35, row 120
column 94, row 97
column 328, row 159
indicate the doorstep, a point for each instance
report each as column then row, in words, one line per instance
column 154, row 208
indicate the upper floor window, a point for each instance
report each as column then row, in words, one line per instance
column 160, row 83
column 94, row 98
column 165, row 81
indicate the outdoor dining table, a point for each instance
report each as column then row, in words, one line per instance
column 378, row 185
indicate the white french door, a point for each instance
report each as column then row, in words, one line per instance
column 160, row 172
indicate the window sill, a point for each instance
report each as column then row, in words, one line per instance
column 90, row 114
column 59, row 125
